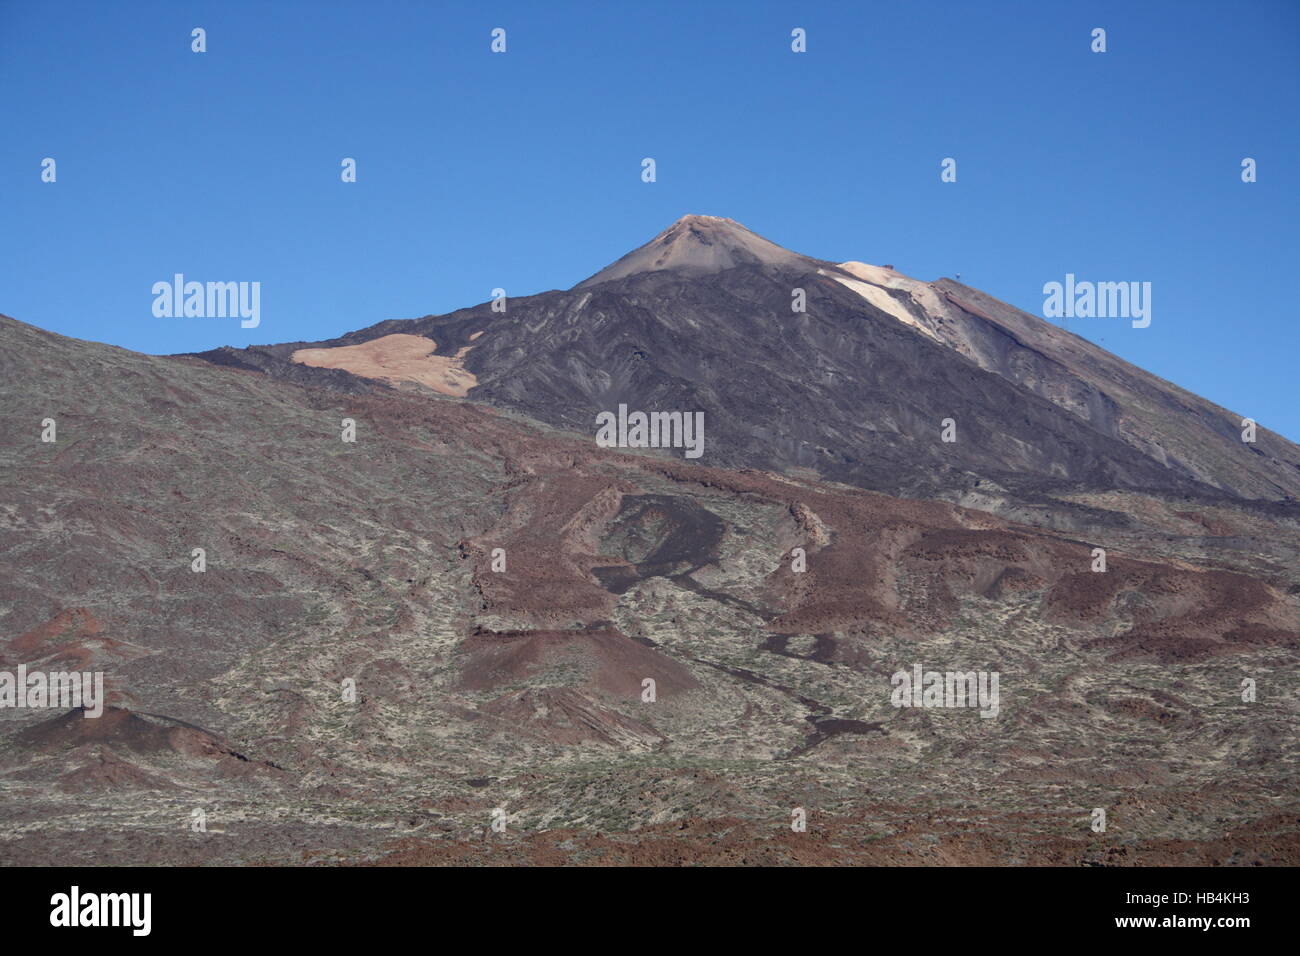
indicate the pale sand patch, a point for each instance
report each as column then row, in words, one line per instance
column 476, row 335
column 397, row 358
column 922, row 293
column 871, row 283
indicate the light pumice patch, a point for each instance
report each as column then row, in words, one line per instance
column 397, row 358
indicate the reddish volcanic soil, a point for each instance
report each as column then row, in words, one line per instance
column 459, row 612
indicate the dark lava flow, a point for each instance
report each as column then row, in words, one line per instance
column 686, row 533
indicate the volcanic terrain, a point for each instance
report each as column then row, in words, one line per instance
column 634, row 657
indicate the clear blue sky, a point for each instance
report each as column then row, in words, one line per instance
column 522, row 170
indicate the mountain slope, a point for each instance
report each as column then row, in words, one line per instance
column 702, row 246
column 1181, row 430
column 856, row 388
column 521, row 685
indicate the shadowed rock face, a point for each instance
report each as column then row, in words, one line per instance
column 498, row 593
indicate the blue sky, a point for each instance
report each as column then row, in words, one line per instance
column 522, row 170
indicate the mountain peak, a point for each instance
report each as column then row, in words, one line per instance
column 700, row 245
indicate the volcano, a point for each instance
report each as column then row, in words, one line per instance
column 848, row 370
column 474, row 606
